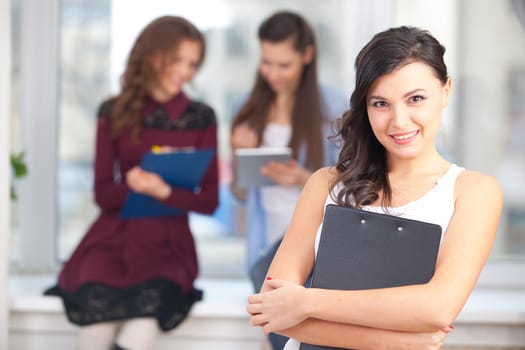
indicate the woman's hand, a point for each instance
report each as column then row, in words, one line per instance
column 286, row 174
column 243, row 136
column 148, row 183
column 424, row 341
column 278, row 309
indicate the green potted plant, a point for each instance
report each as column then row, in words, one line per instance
column 19, row 169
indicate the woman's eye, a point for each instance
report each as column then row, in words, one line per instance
column 417, row 98
column 379, row 104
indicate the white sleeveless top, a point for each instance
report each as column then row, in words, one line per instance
column 436, row 206
column 278, row 202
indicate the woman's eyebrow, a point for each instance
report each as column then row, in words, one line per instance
column 409, row 93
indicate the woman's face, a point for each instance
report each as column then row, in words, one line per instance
column 281, row 65
column 404, row 108
column 177, row 69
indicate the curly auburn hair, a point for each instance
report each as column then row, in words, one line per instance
column 161, row 36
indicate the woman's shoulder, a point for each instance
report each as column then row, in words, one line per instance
column 476, row 185
column 203, row 112
column 104, row 109
column 326, row 172
column 322, row 178
column 201, row 106
column 319, row 185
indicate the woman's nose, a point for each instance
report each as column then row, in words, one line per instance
column 400, row 117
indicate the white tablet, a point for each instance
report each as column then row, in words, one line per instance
column 248, row 162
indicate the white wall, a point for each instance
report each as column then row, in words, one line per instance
column 5, row 84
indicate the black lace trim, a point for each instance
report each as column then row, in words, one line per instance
column 196, row 116
column 98, row 302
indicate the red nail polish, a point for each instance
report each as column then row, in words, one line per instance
column 268, row 278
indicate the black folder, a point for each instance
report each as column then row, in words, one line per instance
column 365, row 250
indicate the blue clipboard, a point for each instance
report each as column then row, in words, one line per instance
column 181, row 169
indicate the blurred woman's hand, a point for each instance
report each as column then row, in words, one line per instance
column 286, row 174
column 243, row 136
column 148, row 183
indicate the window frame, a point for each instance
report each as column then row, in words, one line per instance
column 5, row 93
column 39, row 74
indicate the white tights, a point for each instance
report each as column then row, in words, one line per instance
column 133, row 334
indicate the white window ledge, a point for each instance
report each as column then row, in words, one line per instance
column 222, row 298
column 491, row 317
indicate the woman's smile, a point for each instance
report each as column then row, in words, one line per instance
column 404, row 138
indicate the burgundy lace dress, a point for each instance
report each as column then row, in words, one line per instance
column 140, row 267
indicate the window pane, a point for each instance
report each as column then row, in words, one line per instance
column 492, row 107
column 84, row 83
column 96, row 37
column 485, row 132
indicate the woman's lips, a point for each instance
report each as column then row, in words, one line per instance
column 404, row 138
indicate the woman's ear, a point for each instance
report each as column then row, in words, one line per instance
column 446, row 91
column 308, row 55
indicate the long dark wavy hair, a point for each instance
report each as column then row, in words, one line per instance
column 306, row 113
column 362, row 167
column 163, row 35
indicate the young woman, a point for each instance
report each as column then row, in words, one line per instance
column 388, row 164
column 286, row 107
column 130, row 278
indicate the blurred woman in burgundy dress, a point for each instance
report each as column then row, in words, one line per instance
column 129, row 279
